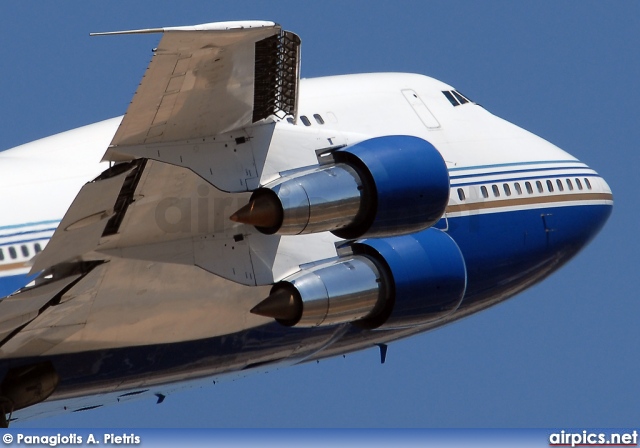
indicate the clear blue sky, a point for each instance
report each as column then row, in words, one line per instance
column 564, row 353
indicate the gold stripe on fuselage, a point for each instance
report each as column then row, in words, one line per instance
column 533, row 200
column 12, row 266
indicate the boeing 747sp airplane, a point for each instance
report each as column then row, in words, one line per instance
column 241, row 218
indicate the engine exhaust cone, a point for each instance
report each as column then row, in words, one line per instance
column 263, row 210
column 282, row 305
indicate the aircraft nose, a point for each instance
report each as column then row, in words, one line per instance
column 591, row 211
column 607, row 198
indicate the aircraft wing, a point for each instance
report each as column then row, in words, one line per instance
column 204, row 83
column 156, row 224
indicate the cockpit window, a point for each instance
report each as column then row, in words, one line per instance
column 460, row 98
column 455, row 97
column 451, row 98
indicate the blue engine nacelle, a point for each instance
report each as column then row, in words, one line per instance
column 406, row 183
column 384, row 186
column 396, row 282
column 428, row 278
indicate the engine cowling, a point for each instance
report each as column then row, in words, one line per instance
column 429, row 278
column 383, row 186
column 396, row 282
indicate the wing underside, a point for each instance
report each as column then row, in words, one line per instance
column 188, row 150
column 203, row 83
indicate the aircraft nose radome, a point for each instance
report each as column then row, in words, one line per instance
column 606, row 188
column 590, row 218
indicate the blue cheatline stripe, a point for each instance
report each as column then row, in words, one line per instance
column 541, row 162
column 39, row 223
column 517, row 179
column 12, row 283
column 531, row 170
column 13, row 243
column 27, row 232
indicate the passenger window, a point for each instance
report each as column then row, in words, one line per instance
column 305, row 120
column 560, row 186
column 25, row 250
column 485, row 193
column 579, row 184
column 1, row 255
column 569, row 184
column 37, row 248
column 318, row 118
column 539, row 186
column 12, row 253
column 529, row 187
column 518, row 188
column 550, row 186
column 586, row 181
column 461, row 194
column 290, row 120
column 496, row 191
column 507, row 189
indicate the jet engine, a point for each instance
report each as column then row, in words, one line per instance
column 394, row 282
column 384, row 186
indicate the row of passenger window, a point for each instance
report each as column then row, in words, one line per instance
column 25, row 249
column 305, row 120
column 529, row 187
